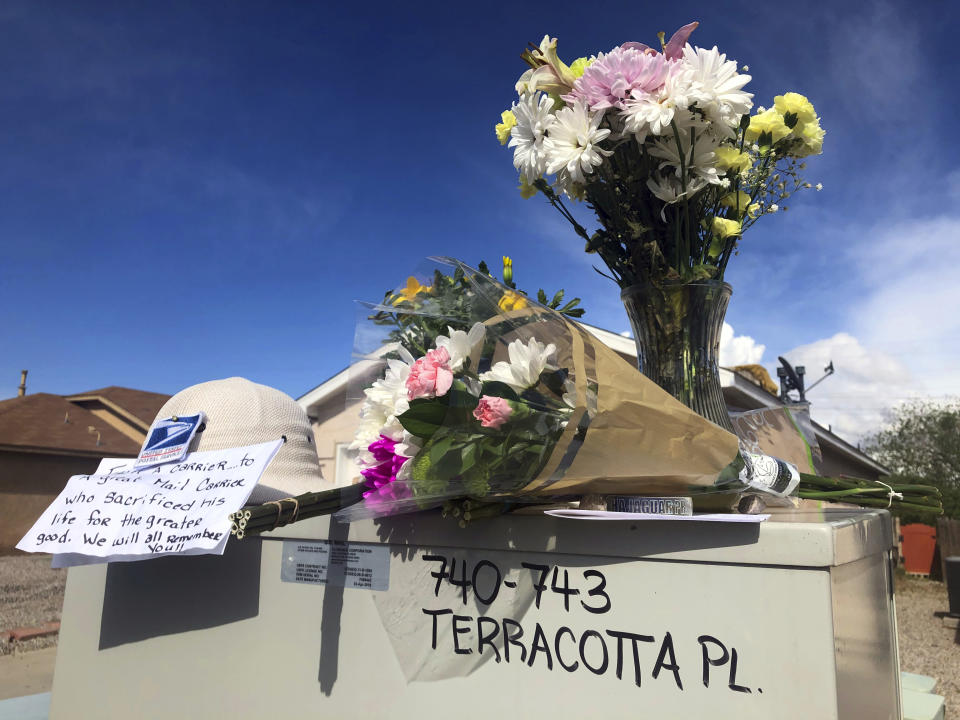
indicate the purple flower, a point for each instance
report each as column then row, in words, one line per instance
column 388, row 464
column 617, row 76
column 384, row 499
column 674, row 48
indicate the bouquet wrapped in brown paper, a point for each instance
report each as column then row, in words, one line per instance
column 478, row 392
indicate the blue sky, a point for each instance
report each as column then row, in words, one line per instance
column 198, row 190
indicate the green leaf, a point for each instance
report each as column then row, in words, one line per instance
column 557, row 299
column 424, row 417
column 499, row 389
column 439, row 449
column 541, row 297
column 468, row 457
column 448, row 466
column 716, row 248
column 703, row 272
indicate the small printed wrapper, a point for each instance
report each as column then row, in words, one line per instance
column 473, row 390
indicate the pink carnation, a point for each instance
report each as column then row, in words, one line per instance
column 430, row 376
column 492, row 412
column 614, row 78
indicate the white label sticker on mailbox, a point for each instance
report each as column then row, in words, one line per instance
column 350, row 565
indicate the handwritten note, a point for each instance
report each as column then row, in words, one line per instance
column 176, row 508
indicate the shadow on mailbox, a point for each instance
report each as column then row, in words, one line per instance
column 171, row 595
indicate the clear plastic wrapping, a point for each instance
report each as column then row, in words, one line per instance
column 473, row 390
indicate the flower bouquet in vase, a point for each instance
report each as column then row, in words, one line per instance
column 661, row 145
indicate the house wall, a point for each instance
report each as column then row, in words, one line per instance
column 28, row 484
column 333, row 426
column 111, row 418
column 835, row 463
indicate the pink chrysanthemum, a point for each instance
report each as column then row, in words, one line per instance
column 614, row 78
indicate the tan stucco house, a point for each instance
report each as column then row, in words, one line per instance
column 44, row 439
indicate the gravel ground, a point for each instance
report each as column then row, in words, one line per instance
column 31, row 593
column 927, row 646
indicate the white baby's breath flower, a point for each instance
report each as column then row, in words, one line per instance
column 819, row 187
column 572, row 143
column 527, row 362
column 773, row 208
column 533, row 116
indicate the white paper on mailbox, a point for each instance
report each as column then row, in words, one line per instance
column 608, row 515
column 179, row 508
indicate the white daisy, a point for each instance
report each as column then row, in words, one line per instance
column 533, row 116
column 653, row 112
column 669, row 190
column 699, row 160
column 571, row 144
column 716, row 86
column 385, row 399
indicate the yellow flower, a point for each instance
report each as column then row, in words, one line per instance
column 512, row 301
column 507, row 270
column 768, row 124
column 527, row 190
column 508, row 121
column 812, row 137
column 729, row 158
column 754, row 209
column 796, row 106
column 723, row 228
column 411, row 291
column 579, row 65
column 739, row 199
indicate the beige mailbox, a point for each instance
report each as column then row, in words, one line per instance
column 520, row 616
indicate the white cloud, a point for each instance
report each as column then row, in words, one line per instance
column 866, row 384
column 902, row 323
column 738, row 349
column 910, row 307
column 863, row 65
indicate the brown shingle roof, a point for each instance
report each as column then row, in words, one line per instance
column 37, row 421
column 139, row 403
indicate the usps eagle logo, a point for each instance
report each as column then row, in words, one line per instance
column 168, row 440
column 170, row 434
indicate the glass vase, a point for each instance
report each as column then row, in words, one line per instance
column 677, row 330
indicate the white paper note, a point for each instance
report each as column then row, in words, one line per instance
column 607, row 515
column 177, row 508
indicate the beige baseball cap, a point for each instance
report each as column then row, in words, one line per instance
column 240, row 412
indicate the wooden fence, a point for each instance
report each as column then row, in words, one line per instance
column 948, row 538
